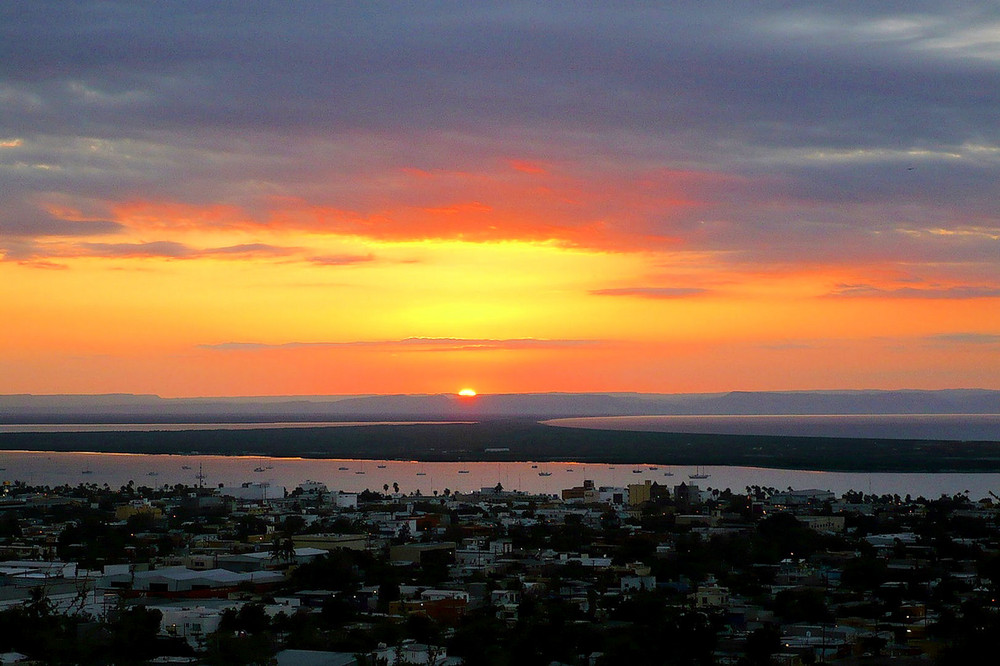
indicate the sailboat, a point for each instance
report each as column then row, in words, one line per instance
column 698, row 474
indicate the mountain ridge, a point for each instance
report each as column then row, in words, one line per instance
column 125, row 407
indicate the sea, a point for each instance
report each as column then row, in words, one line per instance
column 952, row 427
column 60, row 468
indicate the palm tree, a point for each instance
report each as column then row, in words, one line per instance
column 385, row 488
column 288, row 550
column 395, row 487
column 282, row 549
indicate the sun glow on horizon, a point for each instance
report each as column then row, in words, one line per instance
column 467, row 393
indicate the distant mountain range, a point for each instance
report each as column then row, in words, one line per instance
column 151, row 408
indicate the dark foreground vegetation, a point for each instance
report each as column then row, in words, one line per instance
column 514, row 440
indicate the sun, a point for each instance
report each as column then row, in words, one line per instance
column 467, row 393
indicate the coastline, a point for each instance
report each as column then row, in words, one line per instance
column 529, row 440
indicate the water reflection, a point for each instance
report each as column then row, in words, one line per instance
column 51, row 468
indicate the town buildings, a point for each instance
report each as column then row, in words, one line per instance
column 592, row 577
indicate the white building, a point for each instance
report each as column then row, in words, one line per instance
column 255, row 492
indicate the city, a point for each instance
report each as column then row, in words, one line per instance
column 252, row 574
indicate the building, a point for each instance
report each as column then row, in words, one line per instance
column 181, row 582
column 255, row 492
column 823, row 523
column 332, row 541
column 578, row 492
column 801, row 497
column 639, row 493
column 424, row 553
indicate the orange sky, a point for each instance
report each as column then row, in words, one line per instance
column 421, row 211
column 337, row 312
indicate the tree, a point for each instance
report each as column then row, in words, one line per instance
column 762, row 643
column 135, row 634
column 282, row 549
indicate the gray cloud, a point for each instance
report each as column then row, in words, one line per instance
column 967, row 338
column 166, row 249
column 821, row 127
column 21, row 221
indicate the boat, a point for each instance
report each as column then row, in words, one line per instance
column 342, row 469
column 185, row 466
column 87, row 471
column 381, row 466
column 259, row 469
column 637, row 471
column 545, row 474
column 463, row 471
column 360, row 471
column 421, row 473
column 534, row 467
column 653, row 469
column 668, row 473
column 698, row 474
column 152, row 473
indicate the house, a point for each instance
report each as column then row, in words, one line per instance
column 711, row 595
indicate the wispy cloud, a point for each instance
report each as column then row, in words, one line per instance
column 665, row 293
column 40, row 254
column 416, row 344
column 967, row 338
column 340, row 259
column 956, row 292
column 163, row 249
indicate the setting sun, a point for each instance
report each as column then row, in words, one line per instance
column 467, row 393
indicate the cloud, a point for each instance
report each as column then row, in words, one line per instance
column 34, row 224
column 164, row 249
column 967, row 338
column 651, row 292
column 35, row 254
column 956, row 292
column 252, row 249
column 415, row 344
column 767, row 133
column 340, row 259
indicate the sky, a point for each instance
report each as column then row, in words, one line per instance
column 268, row 198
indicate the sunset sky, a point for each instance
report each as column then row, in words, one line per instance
column 247, row 198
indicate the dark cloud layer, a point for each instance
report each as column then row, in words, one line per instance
column 817, row 131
